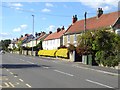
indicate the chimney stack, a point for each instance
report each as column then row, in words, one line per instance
column 63, row 28
column 99, row 12
column 39, row 34
column 74, row 19
column 58, row 29
column 26, row 34
column 50, row 32
column 36, row 34
column 21, row 36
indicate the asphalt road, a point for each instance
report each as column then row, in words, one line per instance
column 19, row 71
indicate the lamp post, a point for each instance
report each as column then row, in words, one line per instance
column 33, row 34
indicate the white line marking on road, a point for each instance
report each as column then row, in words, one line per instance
column 46, row 67
column 11, row 84
column 106, row 72
column 80, row 67
column 7, row 85
column 11, row 73
column 55, row 61
column 21, row 80
column 7, row 70
column 0, row 86
column 22, row 60
column 96, row 70
column 64, row 73
column 98, row 83
column 28, row 85
column 17, row 83
column 15, row 76
column 30, row 62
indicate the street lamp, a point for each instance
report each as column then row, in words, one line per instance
column 33, row 34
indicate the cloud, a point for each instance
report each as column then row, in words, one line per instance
column 4, row 34
column 65, row 6
column 17, row 29
column 106, row 8
column 105, row 4
column 44, row 18
column 16, row 4
column 49, row 5
column 51, row 28
column 24, row 26
column 17, row 8
column 46, row 10
column 20, row 28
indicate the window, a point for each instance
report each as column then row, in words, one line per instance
column 75, row 38
column 68, row 38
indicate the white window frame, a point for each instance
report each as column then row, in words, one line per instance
column 68, row 38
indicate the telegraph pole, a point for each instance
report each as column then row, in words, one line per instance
column 85, row 15
column 32, row 33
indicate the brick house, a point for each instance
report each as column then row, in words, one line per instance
column 110, row 21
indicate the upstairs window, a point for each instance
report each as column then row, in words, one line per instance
column 68, row 38
column 75, row 38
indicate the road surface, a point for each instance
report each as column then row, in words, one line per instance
column 19, row 71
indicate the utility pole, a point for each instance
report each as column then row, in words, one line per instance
column 33, row 34
column 85, row 15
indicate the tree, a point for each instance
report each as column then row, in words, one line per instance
column 107, row 47
column 104, row 45
column 85, row 41
column 4, row 44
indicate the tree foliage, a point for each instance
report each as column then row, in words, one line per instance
column 4, row 44
column 85, row 42
column 103, row 44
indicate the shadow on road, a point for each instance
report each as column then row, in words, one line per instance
column 16, row 66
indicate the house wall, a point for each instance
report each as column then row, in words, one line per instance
column 34, row 43
column 51, row 44
column 72, row 40
column 28, row 44
column 38, row 41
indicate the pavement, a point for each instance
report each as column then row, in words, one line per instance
column 19, row 71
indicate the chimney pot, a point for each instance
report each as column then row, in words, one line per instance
column 74, row 19
column 99, row 12
column 58, row 29
column 63, row 28
column 50, row 32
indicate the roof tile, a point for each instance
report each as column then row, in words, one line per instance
column 104, row 20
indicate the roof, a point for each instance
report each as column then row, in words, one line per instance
column 42, row 36
column 93, row 23
column 55, row 35
column 23, row 38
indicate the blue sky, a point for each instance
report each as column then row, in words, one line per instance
column 17, row 16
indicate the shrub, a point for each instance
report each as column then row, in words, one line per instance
column 62, row 46
column 71, row 48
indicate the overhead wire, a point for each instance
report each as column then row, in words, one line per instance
column 30, row 11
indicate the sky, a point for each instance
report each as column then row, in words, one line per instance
column 16, row 15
